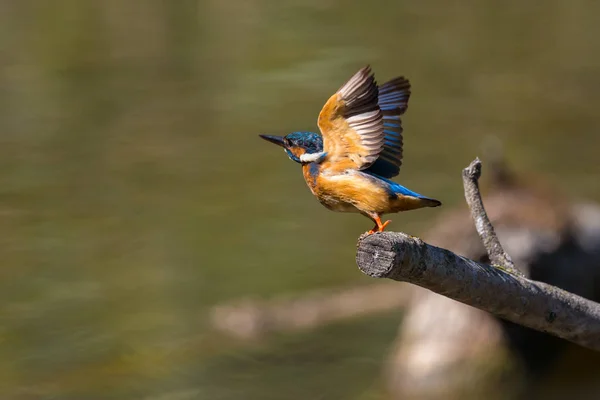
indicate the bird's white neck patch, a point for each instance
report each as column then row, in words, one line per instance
column 314, row 157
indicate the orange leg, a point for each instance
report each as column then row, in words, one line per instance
column 379, row 227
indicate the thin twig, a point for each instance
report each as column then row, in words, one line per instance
column 497, row 255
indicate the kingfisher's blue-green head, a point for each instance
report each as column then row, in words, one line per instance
column 299, row 145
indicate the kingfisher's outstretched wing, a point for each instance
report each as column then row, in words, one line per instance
column 352, row 123
column 393, row 101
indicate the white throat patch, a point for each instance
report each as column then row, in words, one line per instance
column 314, row 157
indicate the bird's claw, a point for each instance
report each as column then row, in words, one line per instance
column 379, row 227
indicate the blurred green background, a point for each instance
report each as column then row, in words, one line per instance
column 135, row 193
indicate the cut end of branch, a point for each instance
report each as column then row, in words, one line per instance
column 377, row 254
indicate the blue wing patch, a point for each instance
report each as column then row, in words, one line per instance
column 395, row 189
column 393, row 101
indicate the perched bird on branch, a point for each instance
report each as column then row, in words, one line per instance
column 348, row 166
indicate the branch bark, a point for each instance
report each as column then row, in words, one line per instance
column 512, row 297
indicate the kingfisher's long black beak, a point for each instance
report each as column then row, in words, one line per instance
column 278, row 140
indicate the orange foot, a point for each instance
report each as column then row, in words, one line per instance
column 379, row 227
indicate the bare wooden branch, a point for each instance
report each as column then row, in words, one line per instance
column 483, row 225
column 512, row 297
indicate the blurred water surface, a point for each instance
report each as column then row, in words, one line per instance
column 135, row 192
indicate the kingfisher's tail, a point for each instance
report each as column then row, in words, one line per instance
column 417, row 199
column 406, row 202
column 406, row 199
column 429, row 202
column 403, row 199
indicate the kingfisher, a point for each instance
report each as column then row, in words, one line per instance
column 349, row 165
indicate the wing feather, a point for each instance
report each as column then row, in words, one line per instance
column 352, row 123
column 393, row 102
column 361, row 124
